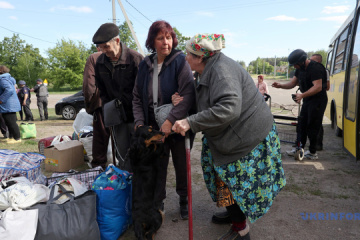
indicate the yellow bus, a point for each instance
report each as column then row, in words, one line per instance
column 343, row 65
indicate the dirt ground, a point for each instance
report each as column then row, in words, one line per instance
column 328, row 186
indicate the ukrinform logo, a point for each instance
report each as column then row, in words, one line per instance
column 330, row 216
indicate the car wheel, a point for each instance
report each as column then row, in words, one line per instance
column 69, row 112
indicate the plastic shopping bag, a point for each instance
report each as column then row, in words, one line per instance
column 18, row 225
column 27, row 130
column 113, row 202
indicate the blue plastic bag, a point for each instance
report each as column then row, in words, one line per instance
column 113, row 202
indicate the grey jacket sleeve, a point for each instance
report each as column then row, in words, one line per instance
column 224, row 96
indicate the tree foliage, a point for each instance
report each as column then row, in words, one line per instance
column 66, row 63
column 242, row 63
column 23, row 60
column 181, row 40
column 126, row 36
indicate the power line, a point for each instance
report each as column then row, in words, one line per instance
column 138, row 11
column 26, row 35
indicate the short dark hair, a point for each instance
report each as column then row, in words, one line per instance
column 4, row 69
column 317, row 55
column 155, row 28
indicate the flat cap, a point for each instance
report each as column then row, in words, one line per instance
column 22, row 82
column 39, row 80
column 105, row 33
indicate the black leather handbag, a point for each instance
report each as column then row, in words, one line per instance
column 114, row 113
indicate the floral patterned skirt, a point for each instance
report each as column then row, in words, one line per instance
column 254, row 180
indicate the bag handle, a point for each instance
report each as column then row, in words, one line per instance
column 64, row 191
column 155, row 83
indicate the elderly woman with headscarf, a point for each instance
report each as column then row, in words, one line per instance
column 173, row 76
column 241, row 156
column 9, row 104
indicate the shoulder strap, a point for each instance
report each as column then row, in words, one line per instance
column 155, row 82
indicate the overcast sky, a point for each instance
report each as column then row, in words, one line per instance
column 252, row 28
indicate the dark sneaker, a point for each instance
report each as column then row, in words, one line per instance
column 233, row 235
column 221, row 218
column 319, row 147
column 184, row 213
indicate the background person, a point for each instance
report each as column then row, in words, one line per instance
column 262, row 86
column 93, row 106
column 311, row 78
column 9, row 104
column 174, row 76
column 115, row 73
column 319, row 145
column 42, row 102
column 24, row 98
column 241, row 149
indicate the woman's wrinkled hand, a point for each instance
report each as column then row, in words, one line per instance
column 166, row 128
column 181, row 126
column 176, row 99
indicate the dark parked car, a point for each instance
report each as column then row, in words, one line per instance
column 69, row 107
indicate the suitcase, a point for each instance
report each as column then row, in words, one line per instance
column 45, row 142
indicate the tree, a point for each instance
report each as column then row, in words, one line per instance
column 30, row 66
column 181, row 40
column 322, row 52
column 66, row 63
column 23, row 60
column 10, row 51
column 242, row 63
column 126, row 36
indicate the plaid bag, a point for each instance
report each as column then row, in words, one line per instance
column 87, row 176
column 13, row 163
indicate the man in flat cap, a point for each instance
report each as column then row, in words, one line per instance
column 115, row 73
column 93, row 106
column 42, row 102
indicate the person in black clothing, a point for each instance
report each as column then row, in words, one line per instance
column 311, row 77
column 24, row 98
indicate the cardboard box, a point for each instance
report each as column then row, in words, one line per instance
column 64, row 156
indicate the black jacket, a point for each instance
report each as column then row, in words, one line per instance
column 118, row 81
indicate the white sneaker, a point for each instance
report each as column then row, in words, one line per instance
column 311, row 156
column 291, row 153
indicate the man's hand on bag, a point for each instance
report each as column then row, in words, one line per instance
column 181, row 126
column 166, row 128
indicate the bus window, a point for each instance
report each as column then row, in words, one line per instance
column 328, row 62
column 347, row 46
column 339, row 57
column 352, row 84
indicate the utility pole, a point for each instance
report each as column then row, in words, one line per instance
column 113, row 12
column 275, row 67
column 131, row 28
column 264, row 66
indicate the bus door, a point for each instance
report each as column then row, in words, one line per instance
column 351, row 133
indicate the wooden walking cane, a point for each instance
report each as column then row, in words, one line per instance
column 188, row 167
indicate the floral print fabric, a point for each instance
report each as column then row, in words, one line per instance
column 254, row 180
column 206, row 44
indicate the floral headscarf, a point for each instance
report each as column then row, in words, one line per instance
column 205, row 44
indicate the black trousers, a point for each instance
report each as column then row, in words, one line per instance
column 176, row 145
column 236, row 215
column 311, row 116
column 3, row 126
column 27, row 111
column 101, row 137
column 10, row 121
